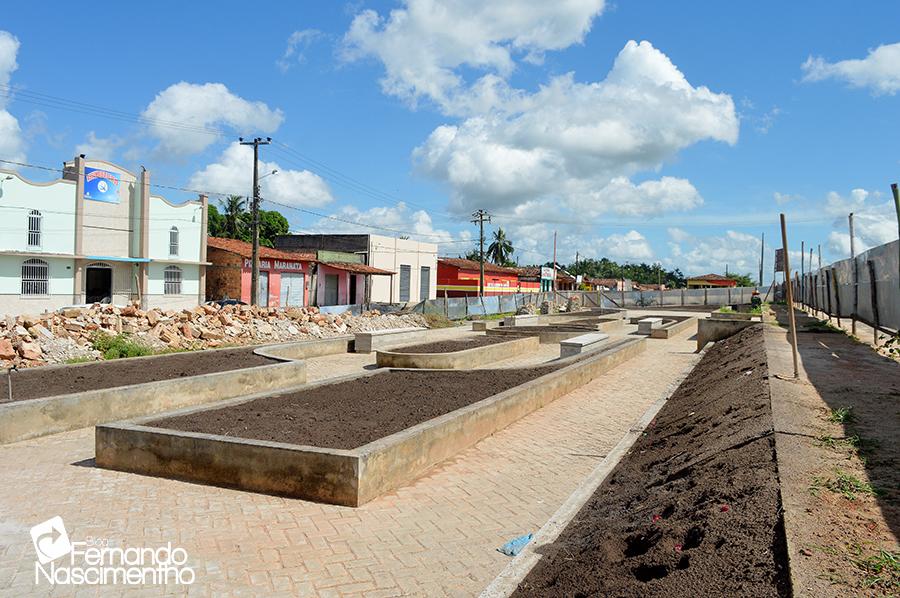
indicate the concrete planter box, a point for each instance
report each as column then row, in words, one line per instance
column 546, row 334
column 306, row 349
column 458, row 360
column 482, row 325
column 718, row 315
column 369, row 342
column 712, row 330
column 671, row 325
column 343, row 477
column 31, row 418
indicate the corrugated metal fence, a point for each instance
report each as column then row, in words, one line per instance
column 845, row 288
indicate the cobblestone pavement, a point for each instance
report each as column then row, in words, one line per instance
column 435, row 537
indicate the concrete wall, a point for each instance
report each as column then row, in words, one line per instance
column 108, row 226
column 186, row 217
column 709, row 330
column 190, row 286
column 389, row 253
column 55, row 201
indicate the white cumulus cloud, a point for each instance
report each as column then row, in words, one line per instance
column 233, row 174
column 12, row 145
column 297, row 44
column 578, row 142
column 424, row 44
column 204, row 106
column 102, row 148
column 698, row 255
column 874, row 221
column 879, row 71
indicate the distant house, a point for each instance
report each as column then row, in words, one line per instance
column 710, row 281
column 459, row 277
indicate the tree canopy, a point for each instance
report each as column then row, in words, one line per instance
column 233, row 222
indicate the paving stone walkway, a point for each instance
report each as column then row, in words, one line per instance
column 435, row 537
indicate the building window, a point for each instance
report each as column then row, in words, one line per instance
column 34, row 228
column 172, row 280
column 35, row 278
column 173, row 240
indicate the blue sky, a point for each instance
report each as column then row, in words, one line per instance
column 640, row 131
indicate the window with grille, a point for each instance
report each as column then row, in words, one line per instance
column 172, row 281
column 35, row 277
column 34, row 228
column 173, row 240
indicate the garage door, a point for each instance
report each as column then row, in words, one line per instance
column 292, row 290
column 405, row 272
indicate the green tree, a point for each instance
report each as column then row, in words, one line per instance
column 215, row 222
column 743, row 280
column 234, row 224
column 501, row 249
column 271, row 224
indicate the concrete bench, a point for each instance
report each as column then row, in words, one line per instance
column 369, row 342
column 581, row 344
column 647, row 325
column 522, row 320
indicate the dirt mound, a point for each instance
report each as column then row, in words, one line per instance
column 694, row 508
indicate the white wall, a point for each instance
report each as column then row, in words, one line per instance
column 55, row 201
column 187, row 217
column 61, row 272
column 389, row 253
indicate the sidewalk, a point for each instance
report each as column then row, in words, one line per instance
column 435, row 537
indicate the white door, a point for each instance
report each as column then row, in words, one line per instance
column 263, row 289
column 292, row 290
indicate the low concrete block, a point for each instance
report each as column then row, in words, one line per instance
column 343, row 477
column 458, row 360
column 523, row 320
column 367, row 342
column 674, row 326
column 712, row 330
column 734, row 315
column 647, row 325
column 482, row 325
column 582, row 344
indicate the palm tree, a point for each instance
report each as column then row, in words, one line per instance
column 233, row 216
column 500, row 250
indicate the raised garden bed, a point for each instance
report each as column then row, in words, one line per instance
column 693, row 508
column 59, row 398
column 457, row 354
column 546, row 334
column 348, row 441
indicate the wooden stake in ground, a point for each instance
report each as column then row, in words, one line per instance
column 855, row 279
column 790, row 297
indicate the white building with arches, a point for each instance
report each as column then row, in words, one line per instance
column 97, row 235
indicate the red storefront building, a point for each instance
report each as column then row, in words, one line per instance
column 283, row 276
column 457, row 277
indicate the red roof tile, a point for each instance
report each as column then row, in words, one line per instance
column 473, row 265
column 244, row 249
column 357, row 268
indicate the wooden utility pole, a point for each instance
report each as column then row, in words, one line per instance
column 254, row 218
column 554, row 264
column 790, row 296
column 855, row 275
column 802, row 273
column 896, row 191
column 479, row 217
column 762, row 256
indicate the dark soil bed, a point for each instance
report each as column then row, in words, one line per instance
column 450, row 346
column 349, row 414
column 694, row 508
column 42, row 382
